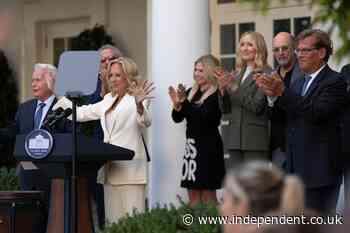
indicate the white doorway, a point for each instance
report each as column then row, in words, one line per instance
column 55, row 37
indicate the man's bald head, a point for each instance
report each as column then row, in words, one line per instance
column 283, row 48
column 284, row 36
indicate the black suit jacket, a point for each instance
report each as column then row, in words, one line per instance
column 312, row 135
column 278, row 117
column 344, row 122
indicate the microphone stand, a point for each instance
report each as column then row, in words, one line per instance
column 74, row 97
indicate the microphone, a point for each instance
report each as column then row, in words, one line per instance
column 50, row 117
column 61, row 116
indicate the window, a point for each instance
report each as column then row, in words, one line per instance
column 59, row 46
column 226, row 1
column 229, row 37
column 281, row 25
column 285, row 25
column 246, row 27
column 301, row 24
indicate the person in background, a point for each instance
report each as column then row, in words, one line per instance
column 345, row 130
column 203, row 163
column 256, row 188
column 123, row 113
column 313, row 105
column 107, row 53
column 244, row 124
column 31, row 115
column 288, row 70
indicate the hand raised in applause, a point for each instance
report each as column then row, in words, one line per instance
column 177, row 96
column 224, row 78
column 271, row 85
column 141, row 91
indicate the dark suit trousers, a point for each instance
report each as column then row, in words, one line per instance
column 347, row 182
column 35, row 180
column 322, row 199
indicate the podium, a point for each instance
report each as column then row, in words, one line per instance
column 91, row 155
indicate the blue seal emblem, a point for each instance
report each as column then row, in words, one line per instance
column 38, row 144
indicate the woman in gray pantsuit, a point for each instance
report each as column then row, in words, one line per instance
column 244, row 124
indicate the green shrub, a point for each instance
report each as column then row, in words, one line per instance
column 8, row 179
column 166, row 220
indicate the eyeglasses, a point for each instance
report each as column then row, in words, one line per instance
column 305, row 50
column 280, row 49
column 108, row 59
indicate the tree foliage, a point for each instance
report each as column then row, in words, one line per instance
column 91, row 39
column 334, row 14
column 8, row 106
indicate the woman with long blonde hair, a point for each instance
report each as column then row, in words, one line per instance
column 244, row 122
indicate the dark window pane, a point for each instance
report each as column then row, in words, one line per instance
column 246, row 27
column 58, row 48
column 226, row 1
column 227, row 39
column 281, row 25
column 228, row 63
column 301, row 24
column 70, row 40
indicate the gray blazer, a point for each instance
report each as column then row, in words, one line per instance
column 244, row 124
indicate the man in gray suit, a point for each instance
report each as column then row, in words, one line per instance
column 288, row 70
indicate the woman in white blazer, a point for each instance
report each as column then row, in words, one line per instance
column 123, row 113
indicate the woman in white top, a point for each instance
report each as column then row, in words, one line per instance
column 123, row 113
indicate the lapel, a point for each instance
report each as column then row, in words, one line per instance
column 240, row 76
column 297, row 85
column 247, row 80
column 50, row 109
column 108, row 105
column 316, row 81
column 31, row 112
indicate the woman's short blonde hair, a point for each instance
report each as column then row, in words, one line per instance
column 129, row 67
column 261, row 52
column 209, row 63
column 265, row 188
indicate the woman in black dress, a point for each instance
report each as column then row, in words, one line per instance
column 203, row 163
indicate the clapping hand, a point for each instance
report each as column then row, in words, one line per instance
column 177, row 96
column 141, row 91
column 224, row 79
column 271, row 85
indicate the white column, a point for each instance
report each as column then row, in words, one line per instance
column 178, row 33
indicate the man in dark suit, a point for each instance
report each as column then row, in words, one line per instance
column 313, row 104
column 345, row 135
column 31, row 115
column 288, row 70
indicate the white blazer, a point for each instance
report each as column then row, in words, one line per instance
column 124, row 130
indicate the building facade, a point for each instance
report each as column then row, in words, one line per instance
column 164, row 37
